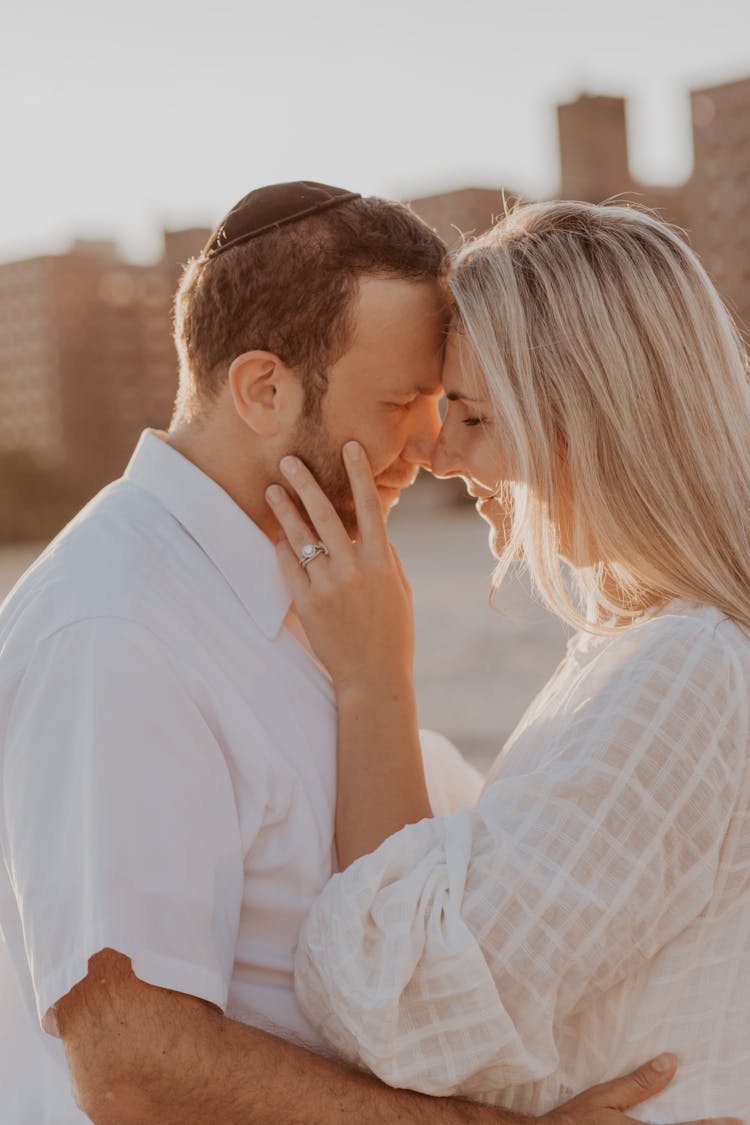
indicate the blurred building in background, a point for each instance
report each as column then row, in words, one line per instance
column 86, row 361
column 86, row 353
column 457, row 215
column 718, row 195
column 594, row 164
column 86, row 356
column 713, row 207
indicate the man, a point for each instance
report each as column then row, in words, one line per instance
column 168, row 740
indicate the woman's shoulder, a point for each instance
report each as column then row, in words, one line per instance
column 697, row 643
column 701, row 627
column 676, row 680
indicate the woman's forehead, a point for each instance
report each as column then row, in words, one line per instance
column 462, row 372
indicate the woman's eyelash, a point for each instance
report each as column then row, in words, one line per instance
column 473, row 421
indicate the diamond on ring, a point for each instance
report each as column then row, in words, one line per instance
column 311, row 551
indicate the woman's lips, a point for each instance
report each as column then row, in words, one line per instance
column 484, row 497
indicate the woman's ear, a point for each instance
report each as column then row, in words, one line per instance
column 267, row 394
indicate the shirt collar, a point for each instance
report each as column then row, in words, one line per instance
column 237, row 547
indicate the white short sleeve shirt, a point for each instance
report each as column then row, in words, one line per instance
column 167, row 754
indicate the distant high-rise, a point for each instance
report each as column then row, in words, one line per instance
column 593, row 138
column 718, row 194
column 468, row 211
column 713, row 207
column 31, row 319
column 86, row 356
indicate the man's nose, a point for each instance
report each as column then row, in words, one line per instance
column 423, row 434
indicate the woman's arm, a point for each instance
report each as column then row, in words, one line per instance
column 355, row 605
column 381, row 784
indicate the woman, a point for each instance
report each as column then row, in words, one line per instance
column 594, row 907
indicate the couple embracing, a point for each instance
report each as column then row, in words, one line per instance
column 238, row 886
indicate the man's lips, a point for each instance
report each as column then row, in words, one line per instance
column 395, row 486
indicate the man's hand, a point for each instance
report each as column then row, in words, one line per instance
column 606, row 1104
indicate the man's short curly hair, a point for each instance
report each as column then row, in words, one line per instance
column 291, row 292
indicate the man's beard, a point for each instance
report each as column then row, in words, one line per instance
column 313, row 444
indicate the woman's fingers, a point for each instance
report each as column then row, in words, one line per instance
column 323, row 515
column 295, row 528
column 327, row 527
column 370, row 518
column 354, row 604
column 296, row 578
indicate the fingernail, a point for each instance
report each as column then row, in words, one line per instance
column 662, row 1063
column 274, row 493
column 353, row 450
column 289, row 465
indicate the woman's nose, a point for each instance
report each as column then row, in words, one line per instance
column 423, row 434
column 445, row 463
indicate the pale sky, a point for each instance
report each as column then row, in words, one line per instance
column 118, row 119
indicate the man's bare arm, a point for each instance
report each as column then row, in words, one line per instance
column 141, row 1055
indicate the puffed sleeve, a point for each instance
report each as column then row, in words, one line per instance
column 120, row 820
column 451, row 780
column 443, row 961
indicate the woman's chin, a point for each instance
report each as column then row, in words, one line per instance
column 493, row 514
column 494, row 542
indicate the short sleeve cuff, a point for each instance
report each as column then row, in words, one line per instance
column 150, row 967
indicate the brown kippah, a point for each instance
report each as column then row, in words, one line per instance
column 270, row 207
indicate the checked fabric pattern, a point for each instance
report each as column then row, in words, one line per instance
column 591, row 911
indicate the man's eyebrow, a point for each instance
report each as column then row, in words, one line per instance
column 414, row 392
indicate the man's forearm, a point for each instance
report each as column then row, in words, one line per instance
column 141, row 1055
column 244, row 1076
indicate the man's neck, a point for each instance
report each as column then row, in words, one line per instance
column 219, row 461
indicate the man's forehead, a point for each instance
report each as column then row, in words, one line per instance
column 425, row 377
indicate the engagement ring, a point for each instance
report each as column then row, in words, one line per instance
column 311, row 551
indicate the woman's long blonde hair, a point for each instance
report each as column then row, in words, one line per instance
column 620, row 381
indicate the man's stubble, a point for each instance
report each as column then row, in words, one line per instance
column 313, row 444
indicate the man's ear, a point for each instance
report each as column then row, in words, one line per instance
column 266, row 393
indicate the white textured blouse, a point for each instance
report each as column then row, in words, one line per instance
column 591, row 911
